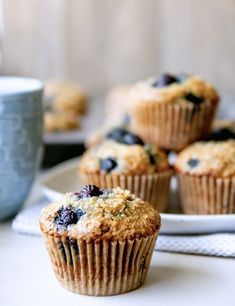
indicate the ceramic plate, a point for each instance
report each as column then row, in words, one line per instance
column 64, row 178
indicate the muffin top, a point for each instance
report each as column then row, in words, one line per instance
column 122, row 152
column 94, row 214
column 177, row 89
column 208, row 158
column 63, row 96
column 223, row 129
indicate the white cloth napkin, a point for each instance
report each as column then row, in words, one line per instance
column 26, row 222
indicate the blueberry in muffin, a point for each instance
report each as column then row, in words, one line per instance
column 165, row 80
column 100, row 241
column 124, row 136
column 206, row 174
column 223, row 129
column 172, row 111
column 123, row 159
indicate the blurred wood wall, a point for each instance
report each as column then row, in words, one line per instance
column 101, row 43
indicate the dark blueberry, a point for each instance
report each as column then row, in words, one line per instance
column 151, row 156
column 79, row 213
column 132, row 139
column 106, row 191
column 196, row 100
column 165, row 80
column 108, row 164
column 65, row 217
column 117, row 134
column 90, row 191
column 222, row 134
column 123, row 136
column 193, row 162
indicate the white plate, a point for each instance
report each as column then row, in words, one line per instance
column 64, row 178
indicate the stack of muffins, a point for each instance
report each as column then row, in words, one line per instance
column 123, row 160
column 101, row 239
column 173, row 112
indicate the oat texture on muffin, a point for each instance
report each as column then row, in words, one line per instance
column 100, row 241
column 65, row 96
column 172, row 111
column 94, row 214
column 123, row 152
column 176, row 89
column 208, row 158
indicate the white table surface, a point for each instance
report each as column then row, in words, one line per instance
column 26, row 278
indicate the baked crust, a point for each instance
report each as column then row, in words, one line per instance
column 214, row 158
column 116, row 215
column 131, row 159
column 65, row 96
column 143, row 92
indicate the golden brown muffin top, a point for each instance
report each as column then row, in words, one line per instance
column 132, row 157
column 179, row 89
column 65, row 96
column 208, row 158
column 97, row 214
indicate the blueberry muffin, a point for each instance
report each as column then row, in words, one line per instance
column 206, row 174
column 223, row 129
column 124, row 160
column 65, row 97
column 100, row 241
column 57, row 121
column 172, row 111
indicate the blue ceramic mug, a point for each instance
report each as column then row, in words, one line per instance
column 20, row 140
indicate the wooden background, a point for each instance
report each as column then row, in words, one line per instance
column 101, row 43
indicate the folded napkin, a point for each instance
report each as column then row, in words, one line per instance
column 26, row 222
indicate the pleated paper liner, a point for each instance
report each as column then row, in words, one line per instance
column 152, row 188
column 102, row 267
column 207, row 195
column 172, row 126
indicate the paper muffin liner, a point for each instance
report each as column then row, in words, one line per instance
column 100, row 267
column 206, row 195
column 152, row 188
column 172, row 126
